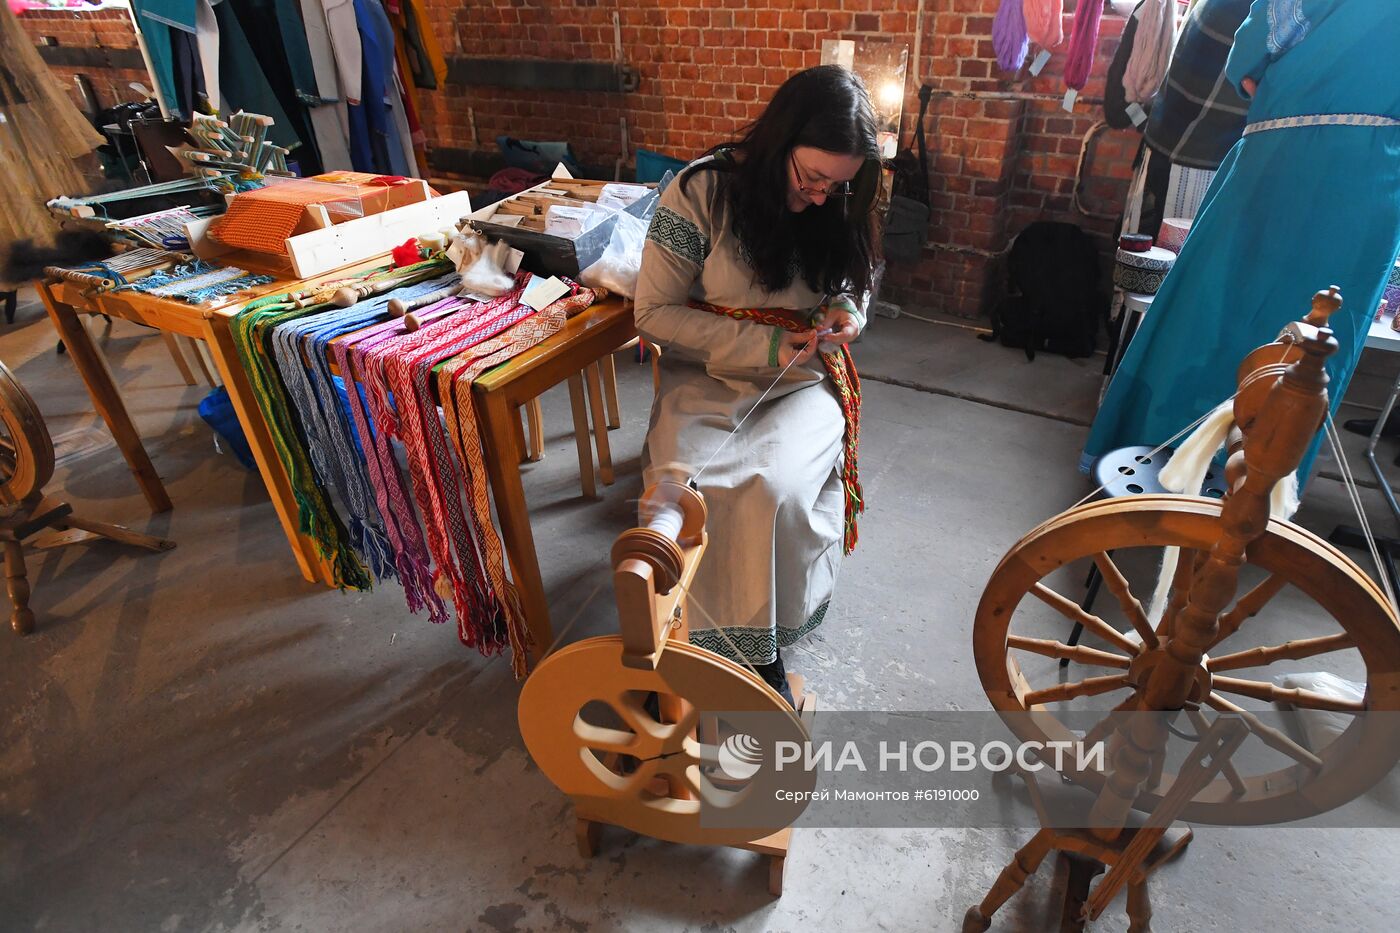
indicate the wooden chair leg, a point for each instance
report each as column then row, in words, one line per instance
column 178, row 357
column 519, row 425
column 655, row 367
column 609, row 366
column 587, row 833
column 581, row 441
column 17, row 582
column 600, row 424
column 534, row 435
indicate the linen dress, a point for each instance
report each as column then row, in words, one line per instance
column 773, row 491
column 1291, row 211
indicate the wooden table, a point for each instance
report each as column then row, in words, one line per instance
column 567, row 356
column 499, row 393
column 66, row 300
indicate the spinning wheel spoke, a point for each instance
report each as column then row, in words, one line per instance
column 1118, row 585
column 603, row 739
column 1058, row 649
column 1071, row 610
column 1181, row 589
column 1288, row 651
column 1089, row 687
column 1249, row 605
column 1267, row 734
column 1309, row 699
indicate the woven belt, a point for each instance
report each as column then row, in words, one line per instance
column 1322, row 119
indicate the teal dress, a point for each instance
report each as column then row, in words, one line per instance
column 1292, row 210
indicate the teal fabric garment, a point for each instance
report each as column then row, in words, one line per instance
column 157, row 34
column 294, row 43
column 242, row 83
column 1290, row 212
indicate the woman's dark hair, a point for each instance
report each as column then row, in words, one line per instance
column 829, row 245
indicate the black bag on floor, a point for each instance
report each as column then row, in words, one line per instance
column 906, row 226
column 1055, row 301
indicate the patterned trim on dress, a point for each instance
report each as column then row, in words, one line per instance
column 757, row 645
column 774, row 343
column 678, row 235
column 1322, row 119
column 1287, row 25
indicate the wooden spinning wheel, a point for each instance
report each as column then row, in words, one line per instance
column 629, row 725
column 26, row 466
column 1195, row 658
column 26, row 451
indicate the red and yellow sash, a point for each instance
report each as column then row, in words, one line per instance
column 842, row 370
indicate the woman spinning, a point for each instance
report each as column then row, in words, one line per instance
column 756, row 268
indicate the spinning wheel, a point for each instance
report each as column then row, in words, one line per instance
column 629, row 725
column 26, row 466
column 1356, row 616
column 26, row 451
column 1196, row 657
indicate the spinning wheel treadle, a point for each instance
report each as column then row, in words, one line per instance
column 1185, row 662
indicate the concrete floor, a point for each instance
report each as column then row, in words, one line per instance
column 198, row 740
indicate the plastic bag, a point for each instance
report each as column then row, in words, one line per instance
column 1320, row 728
column 617, row 269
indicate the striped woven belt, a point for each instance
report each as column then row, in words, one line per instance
column 1322, row 119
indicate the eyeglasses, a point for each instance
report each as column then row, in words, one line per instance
column 838, row 190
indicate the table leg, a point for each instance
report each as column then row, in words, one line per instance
column 279, row 487
column 175, row 354
column 105, row 397
column 609, row 365
column 581, row 440
column 498, row 421
column 600, row 424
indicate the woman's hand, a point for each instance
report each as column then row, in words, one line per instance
column 843, row 325
column 1250, row 86
column 796, row 347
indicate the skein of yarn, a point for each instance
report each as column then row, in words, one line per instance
column 1044, row 21
column 1009, row 35
column 1152, row 50
column 1083, row 40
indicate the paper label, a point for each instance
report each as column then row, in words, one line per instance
column 1136, row 113
column 541, row 293
column 1040, row 61
column 512, row 263
column 1071, row 95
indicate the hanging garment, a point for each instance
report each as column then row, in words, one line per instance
column 285, row 66
column 206, row 35
column 401, row 157
column 242, row 83
column 188, row 72
column 156, row 32
column 329, row 121
column 1152, row 50
column 1186, row 191
column 1292, row 210
column 342, row 28
column 418, row 47
column 775, row 492
column 1198, row 115
column 380, row 93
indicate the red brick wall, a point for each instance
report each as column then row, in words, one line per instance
column 90, row 29
column 999, row 157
